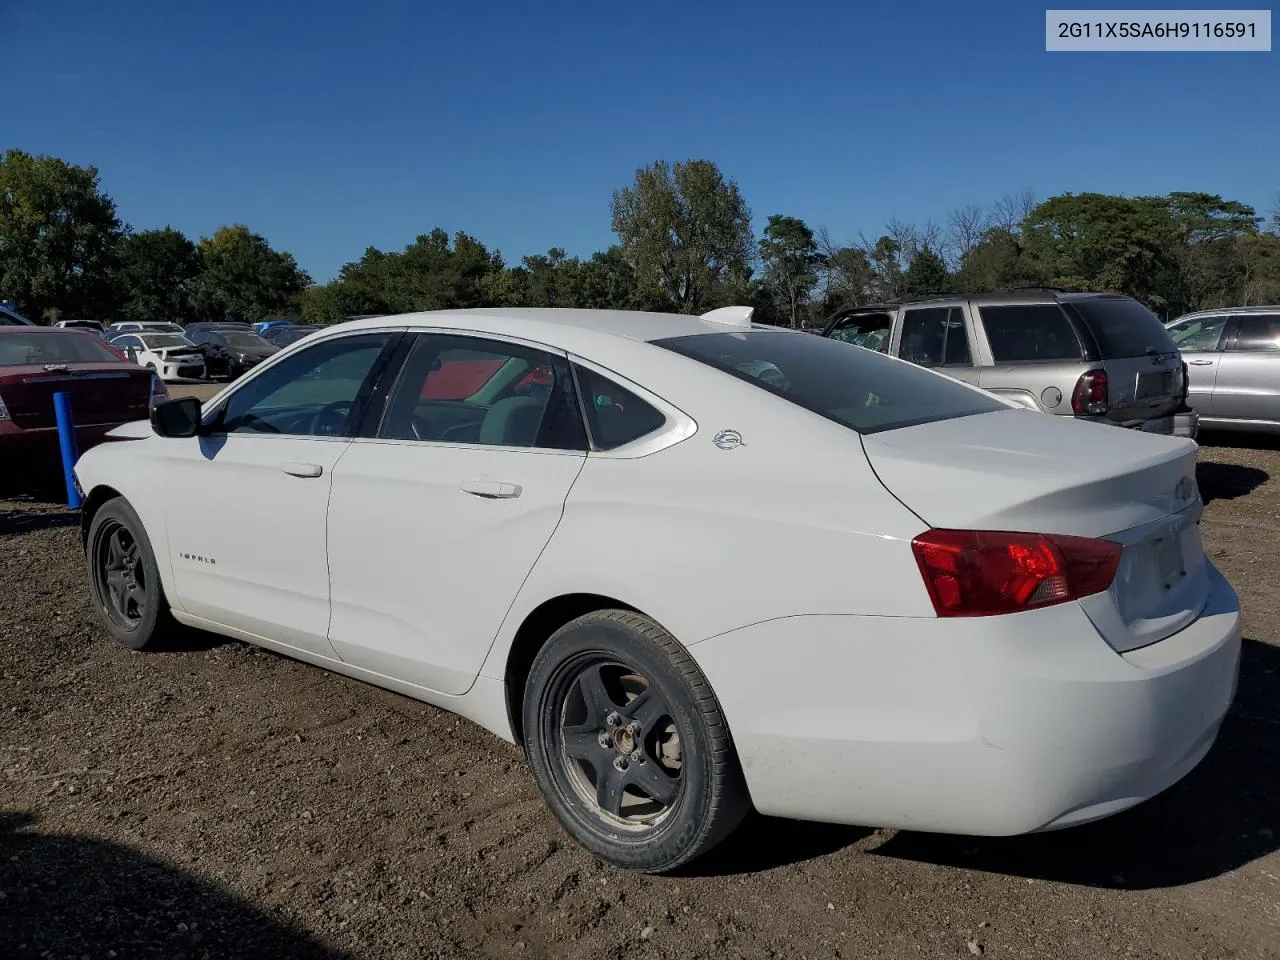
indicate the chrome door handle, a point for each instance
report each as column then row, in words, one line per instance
column 492, row 489
column 296, row 469
column 1200, row 363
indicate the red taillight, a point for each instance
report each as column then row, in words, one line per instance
column 975, row 573
column 1090, row 395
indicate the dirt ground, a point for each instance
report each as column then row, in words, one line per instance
column 219, row 801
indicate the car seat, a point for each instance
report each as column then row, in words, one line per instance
column 512, row 422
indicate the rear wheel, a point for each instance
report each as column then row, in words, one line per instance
column 124, row 578
column 628, row 745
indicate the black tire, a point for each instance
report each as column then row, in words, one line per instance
column 617, row 714
column 124, row 580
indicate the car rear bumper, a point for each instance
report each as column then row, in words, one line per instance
column 989, row 726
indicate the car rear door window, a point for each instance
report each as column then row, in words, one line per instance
column 1198, row 335
column 473, row 390
column 935, row 336
column 1257, row 333
column 615, row 415
column 1029, row 332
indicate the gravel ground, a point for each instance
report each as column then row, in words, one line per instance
column 220, row 801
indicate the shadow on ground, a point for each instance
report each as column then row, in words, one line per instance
column 30, row 520
column 1240, row 440
column 1222, row 816
column 1227, row 481
column 68, row 896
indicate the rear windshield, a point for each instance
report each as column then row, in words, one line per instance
column 1124, row 327
column 238, row 339
column 851, row 385
column 19, row 349
column 165, row 340
column 1027, row 332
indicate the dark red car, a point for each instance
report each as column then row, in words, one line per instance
column 35, row 363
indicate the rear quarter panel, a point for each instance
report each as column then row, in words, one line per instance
column 706, row 540
column 1046, row 387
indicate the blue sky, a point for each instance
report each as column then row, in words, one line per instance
column 329, row 127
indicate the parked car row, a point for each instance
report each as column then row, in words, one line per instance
column 1005, row 622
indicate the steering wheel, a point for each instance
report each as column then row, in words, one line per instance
column 330, row 419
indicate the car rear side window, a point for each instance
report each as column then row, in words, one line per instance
column 1123, row 327
column 861, row 389
column 1258, row 333
column 935, row 336
column 1027, row 332
column 615, row 415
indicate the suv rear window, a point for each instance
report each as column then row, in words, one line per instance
column 1027, row 332
column 861, row 389
column 1123, row 327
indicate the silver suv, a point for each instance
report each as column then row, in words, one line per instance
column 1096, row 356
column 1234, row 359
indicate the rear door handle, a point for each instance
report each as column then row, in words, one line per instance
column 1200, row 363
column 492, row 489
column 296, row 469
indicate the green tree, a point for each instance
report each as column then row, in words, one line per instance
column 997, row 262
column 58, row 236
column 686, row 231
column 1094, row 241
column 157, row 275
column 926, row 274
column 244, row 279
column 790, row 256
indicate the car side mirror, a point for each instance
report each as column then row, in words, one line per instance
column 132, row 353
column 176, row 418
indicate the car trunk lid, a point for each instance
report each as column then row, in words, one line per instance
column 100, row 393
column 1018, row 471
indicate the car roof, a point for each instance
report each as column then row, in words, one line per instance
column 1219, row 311
column 1028, row 295
column 34, row 328
column 563, row 325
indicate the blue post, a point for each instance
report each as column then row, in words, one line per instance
column 67, row 440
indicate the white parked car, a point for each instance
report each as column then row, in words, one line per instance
column 171, row 355
column 693, row 564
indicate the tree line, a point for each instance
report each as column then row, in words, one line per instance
column 685, row 242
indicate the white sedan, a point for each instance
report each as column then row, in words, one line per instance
column 693, row 565
column 171, row 355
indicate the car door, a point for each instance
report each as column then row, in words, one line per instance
column 438, row 514
column 938, row 337
column 246, row 499
column 1248, row 383
column 1200, row 341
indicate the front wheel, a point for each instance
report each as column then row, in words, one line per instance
column 124, row 578
column 628, row 745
